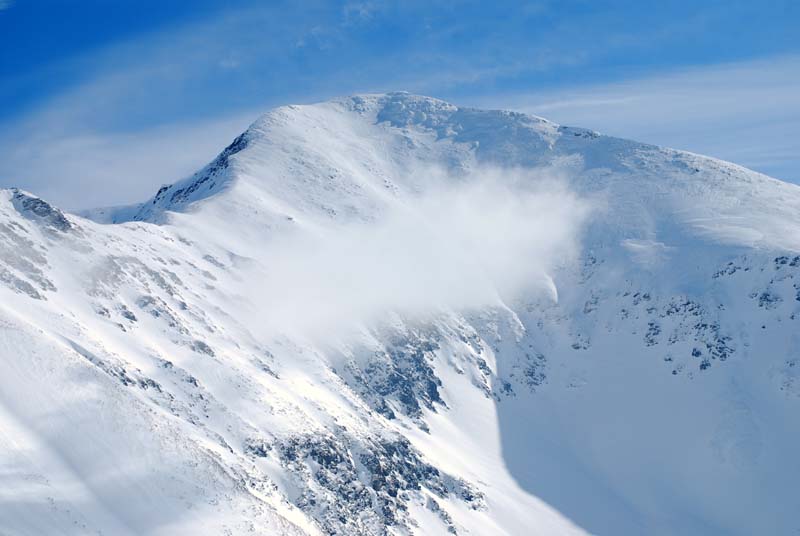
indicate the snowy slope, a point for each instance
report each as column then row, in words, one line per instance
column 388, row 314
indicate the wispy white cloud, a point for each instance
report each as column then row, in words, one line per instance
column 114, row 138
column 359, row 11
column 152, row 109
column 747, row 112
column 87, row 169
column 5, row 4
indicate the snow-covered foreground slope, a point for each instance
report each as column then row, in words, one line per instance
column 387, row 314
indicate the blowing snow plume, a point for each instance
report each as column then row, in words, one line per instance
column 465, row 243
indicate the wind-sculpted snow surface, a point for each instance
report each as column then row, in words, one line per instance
column 390, row 315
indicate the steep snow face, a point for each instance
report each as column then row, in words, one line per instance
column 528, row 329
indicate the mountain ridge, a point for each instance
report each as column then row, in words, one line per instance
column 652, row 364
column 542, row 140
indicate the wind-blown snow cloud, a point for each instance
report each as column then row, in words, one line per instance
column 462, row 245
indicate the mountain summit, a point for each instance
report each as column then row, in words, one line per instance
column 386, row 314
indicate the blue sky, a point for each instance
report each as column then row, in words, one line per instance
column 103, row 100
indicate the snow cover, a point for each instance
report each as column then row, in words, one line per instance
column 388, row 314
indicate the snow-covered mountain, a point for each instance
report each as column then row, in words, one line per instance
column 386, row 314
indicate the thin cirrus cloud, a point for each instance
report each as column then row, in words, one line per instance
column 86, row 170
column 143, row 115
column 158, row 106
column 746, row 112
